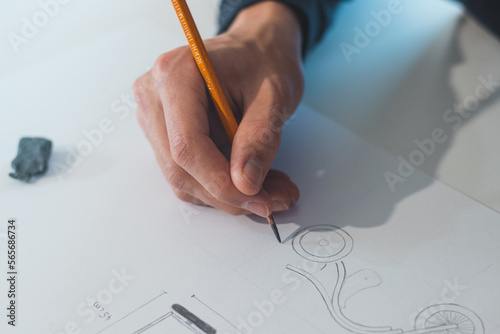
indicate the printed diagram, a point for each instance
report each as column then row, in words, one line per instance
column 329, row 244
column 165, row 317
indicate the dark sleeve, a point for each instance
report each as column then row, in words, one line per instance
column 486, row 11
column 315, row 16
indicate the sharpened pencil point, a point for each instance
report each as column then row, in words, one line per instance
column 270, row 219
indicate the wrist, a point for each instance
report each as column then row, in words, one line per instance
column 271, row 27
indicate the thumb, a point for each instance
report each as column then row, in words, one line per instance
column 255, row 145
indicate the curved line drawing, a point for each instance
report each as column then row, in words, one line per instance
column 322, row 243
column 361, row 280
column 333, row 303
column 312, row 242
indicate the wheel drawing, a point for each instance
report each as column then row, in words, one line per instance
column 449, row 319
column 322, row 243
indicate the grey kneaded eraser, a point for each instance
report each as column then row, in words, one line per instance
column 32, row 158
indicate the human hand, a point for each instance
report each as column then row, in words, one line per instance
column 258, row 63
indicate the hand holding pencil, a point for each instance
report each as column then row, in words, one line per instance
column 258, row 65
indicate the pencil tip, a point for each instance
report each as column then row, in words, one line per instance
column 270, row 219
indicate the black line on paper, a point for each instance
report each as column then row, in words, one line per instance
column 154, row 323
column 322, row 243
column 328, row 243
column 214, row 311
column 361, row 280
column 479, row 273
column 126, row 315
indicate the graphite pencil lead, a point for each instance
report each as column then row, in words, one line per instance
column 270, row 219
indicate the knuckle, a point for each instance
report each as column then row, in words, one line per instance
column 162, row 65
column 176, row 176
column 182, row 195
column 168, row 62
column 180, row 148
column 267, row 136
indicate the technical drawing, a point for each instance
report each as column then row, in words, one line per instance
column 359, row 281
column 183, row 318
column 330, row 244
column 322, row 243
column 159, row 315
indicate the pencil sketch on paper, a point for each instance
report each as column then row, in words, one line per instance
column 164, row 317
column 182, row 317
column 329, row 244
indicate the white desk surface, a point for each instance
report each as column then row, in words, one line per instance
column 69, row 76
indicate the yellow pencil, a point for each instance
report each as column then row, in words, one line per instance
column 208, row 73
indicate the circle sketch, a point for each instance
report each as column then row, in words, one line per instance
column 460, row 319
column 322, row 243
column 329, row 243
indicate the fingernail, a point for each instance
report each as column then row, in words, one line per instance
column 257, row 208
column 253, row 172
column 280, row 206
